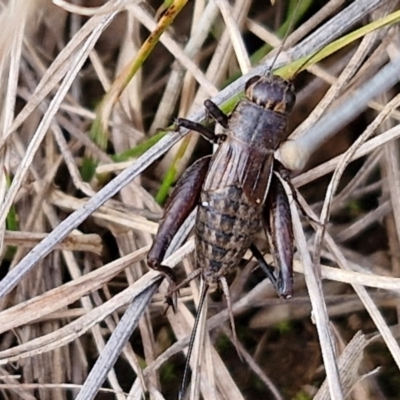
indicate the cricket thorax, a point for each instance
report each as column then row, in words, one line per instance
column 257, row 126
column 225, row 227
column 261, row 118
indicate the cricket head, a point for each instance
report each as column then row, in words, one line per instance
column 271, row 92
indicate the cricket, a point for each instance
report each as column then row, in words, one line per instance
column 236, row 189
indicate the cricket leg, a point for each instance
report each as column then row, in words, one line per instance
column 181, row 203
column 188, row 279
column 269, row 271
column 216, row 113
column 225, row 289
column 284, row 174
column 277, row 221
column 207, row 133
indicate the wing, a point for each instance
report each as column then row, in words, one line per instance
column 239, row 164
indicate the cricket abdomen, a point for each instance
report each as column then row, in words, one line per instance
column 225, row 226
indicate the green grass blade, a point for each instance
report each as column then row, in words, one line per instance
column 295, row 67
column 98, row 131
column 139, row 149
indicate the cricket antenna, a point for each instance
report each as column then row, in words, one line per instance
column 288, row 31
column 192, row 339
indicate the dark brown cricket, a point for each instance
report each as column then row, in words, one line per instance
column 233, row 189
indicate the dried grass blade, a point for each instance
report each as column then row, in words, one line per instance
column 77, row 328
column 117, row 341
column 175, row 81
column 345, row 160
column 369, row 304
column 349, row 362
column 54, row 105
column 235, row 35
column 362, row 293
column 294, row 154
column 66, row 294
column 198, row 350
column 130, row 70
column 319, row 311
column 330, row 165
column 62, row 64
column 12, row 46
column 83, row 242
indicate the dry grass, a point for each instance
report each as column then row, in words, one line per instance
column 75, row 282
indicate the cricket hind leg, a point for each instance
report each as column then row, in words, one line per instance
column 283, row 173
column 277, row 221
column 268, row 270
column 188, row 279
column 225, row 290
column 181, row 203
